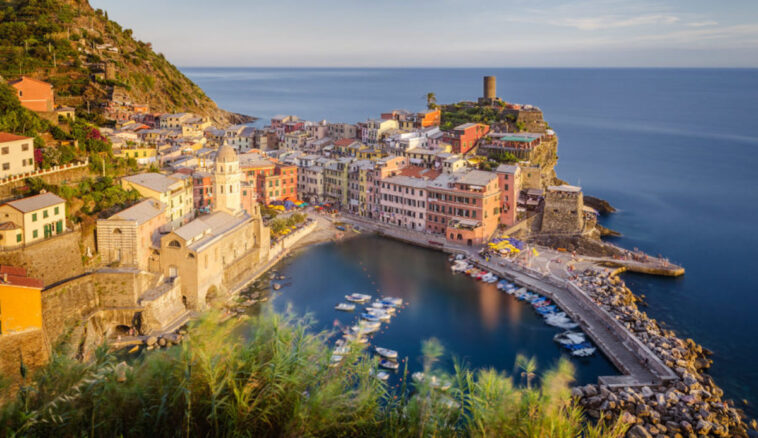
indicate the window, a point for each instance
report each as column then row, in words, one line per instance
column 6, row 166
column 56, row 210
column 35, row 233
column 18, row 237
column 34, row 217
column 5, row 150
column 25, row 147
column 44, row 213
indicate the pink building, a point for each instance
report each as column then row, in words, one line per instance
column 384, row 167
column 508, row 177
column 403, row 202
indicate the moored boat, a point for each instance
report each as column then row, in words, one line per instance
column 358, row 298
column 386, row 352
column 389, row 364
column 345, row 307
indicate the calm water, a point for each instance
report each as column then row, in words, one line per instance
column 674, row 150
column 475, row 322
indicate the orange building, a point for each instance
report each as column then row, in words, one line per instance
column 465, row 207
column 20, row 300
column 272, row 180
column 463, row 138
column 34, row 95
column 429, row 118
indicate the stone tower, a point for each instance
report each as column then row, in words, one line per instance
column 490, row 88
column 226, row 181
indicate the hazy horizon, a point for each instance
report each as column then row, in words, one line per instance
column 446, row 33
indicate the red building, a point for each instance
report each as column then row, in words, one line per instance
column 273, row 181
column 34, row 95
column 202, row 191
column 463, row 138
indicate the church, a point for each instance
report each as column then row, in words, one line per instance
column 212, row 253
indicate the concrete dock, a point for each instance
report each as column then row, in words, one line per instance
column 638, row 365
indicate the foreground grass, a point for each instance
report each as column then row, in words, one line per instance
column 270, row 377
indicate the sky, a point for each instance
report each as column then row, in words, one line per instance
column 445, row 33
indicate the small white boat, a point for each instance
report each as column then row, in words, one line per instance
column 381, row 314
column 584, row 352
column 345, row 307
column 386, row 352
column 392, row 301
column 355, row 337
column 381, row 375
column 565, row 324
column 335, row 360
column 357, row 298
column 389, row 364
column 570, row 338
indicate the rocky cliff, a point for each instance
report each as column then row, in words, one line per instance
column 89, row 59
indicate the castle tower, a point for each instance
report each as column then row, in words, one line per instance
column 226, row 181
column 490, row 88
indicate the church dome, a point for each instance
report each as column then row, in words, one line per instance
column 226, row 154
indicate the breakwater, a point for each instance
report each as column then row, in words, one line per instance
column 664, row 388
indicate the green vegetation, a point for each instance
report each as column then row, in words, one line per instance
column 57, row 41
column 431, row 101
column 458, row 114
column 281, row 226
column 270, row 376
column 16, row 119
column 99, row 197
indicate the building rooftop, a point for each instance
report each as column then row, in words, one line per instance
column 477, row 178
column 34, row 203
column 465, row 126
column 141, row 212
column 202, row 231
column 564, row 188
column 507, row 168
column 408, row 181
column 15, row 276
column 153, row 181
column 6, row 137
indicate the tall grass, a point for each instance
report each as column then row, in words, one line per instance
column 270, row 376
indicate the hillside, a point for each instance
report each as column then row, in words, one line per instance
column 90, row 59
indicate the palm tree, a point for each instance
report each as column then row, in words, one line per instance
column 528, row 368
column 431, row 100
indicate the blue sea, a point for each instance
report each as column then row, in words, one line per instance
column 675, row 150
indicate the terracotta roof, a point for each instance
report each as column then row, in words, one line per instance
column 26, row 78
column 419, row 172
column 345, row 142
column 5, row 137
column 16, row 280
column 12, row 270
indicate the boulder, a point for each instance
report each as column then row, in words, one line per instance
column 151, row 340
column 638, row 432
column 703, row 427
column 646, row 392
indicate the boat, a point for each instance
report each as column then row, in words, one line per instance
column 386, row 352
column 460, row 266
column 569, row 338
column 335, row 359
column 579, row 346
column 543, row 303
column 564, row 323
column 345, row 307
column 389, row 364
column 342, row 350
column 555, row 315
column 381, row 375
column 382, row 315
column 584, row 352
column 369, row 317
column 544, row 310
column 357, row 298
column 392, row 301
column 355, row 337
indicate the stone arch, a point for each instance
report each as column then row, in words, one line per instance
column 175, row 244
column 211, row 294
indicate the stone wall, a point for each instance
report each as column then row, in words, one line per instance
column 30, row 346
column 563, row 212
column 50, row 260
column 69, row 303
column 75, row 174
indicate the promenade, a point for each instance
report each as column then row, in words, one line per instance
column 638, row 365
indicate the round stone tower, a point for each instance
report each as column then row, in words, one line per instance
column 226, row 181
column 490, row 88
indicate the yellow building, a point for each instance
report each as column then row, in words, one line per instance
column 174, row 191
column 31, row 219
column 20, row 300
column 143, row 155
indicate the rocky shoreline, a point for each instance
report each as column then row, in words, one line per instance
column 689, row 406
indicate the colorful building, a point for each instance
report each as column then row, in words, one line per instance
column 34, row 94
column 32, row 219
column 463, row 138
column 20, row 301
column 464, row 206
column 16, row 155
column 509, row 182
column 174, row 191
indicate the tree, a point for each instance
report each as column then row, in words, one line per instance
column 431, row 100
